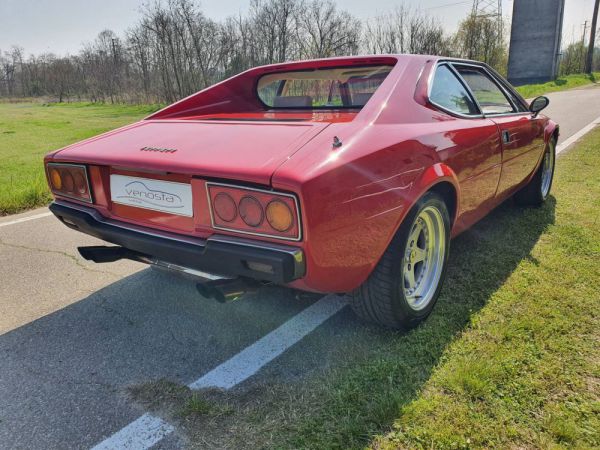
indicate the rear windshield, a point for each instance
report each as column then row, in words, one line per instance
column 335, row 88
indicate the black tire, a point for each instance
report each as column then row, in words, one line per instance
column 381, row 298
column 533, row 193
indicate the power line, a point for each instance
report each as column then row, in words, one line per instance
column 489, row 9
column 448, row 4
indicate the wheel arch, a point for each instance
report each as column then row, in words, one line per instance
column 552, row 130
column 441, row 179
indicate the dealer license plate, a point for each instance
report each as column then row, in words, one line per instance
column 158, row 195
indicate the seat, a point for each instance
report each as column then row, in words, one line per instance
column 293, row 101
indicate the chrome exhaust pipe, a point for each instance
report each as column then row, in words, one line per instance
column 227, row 290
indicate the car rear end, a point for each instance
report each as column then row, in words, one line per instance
column 168, row 218
column 191, row 187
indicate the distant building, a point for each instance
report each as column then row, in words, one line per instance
column 535, row 40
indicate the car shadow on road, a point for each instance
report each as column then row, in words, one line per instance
column 348, row 381
column 63, row 377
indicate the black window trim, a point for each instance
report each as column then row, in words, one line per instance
column 464, row 85
column 510, row 94
column 495, row 82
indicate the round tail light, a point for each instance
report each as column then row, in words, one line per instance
column 279, row 216
column 68, row 182
column 225, row 207
column 251, row 211
column 80, row 184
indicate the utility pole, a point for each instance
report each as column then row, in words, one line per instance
column 590, row 55
column 585, row 25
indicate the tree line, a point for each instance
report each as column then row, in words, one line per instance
column 175, row 49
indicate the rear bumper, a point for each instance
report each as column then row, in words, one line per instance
column 221, row 255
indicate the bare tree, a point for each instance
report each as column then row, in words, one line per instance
column 325, row 31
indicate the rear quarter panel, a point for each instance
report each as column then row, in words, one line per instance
column 354, row 198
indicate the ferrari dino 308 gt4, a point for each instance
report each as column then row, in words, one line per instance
column 342, row 175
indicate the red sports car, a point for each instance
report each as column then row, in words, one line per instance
column 343, row 175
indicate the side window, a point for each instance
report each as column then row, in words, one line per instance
column 490, row 97
column 449, row 93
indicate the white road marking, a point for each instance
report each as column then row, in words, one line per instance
column 571, row 140
column 25, row 219
column 148, row 430
column 140, row 434
column 249, row 361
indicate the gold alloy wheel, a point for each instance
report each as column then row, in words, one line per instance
column 424, row 258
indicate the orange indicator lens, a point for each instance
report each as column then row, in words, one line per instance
column 279, row 216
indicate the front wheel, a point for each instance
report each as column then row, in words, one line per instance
column 404, row 286
column 538, row 189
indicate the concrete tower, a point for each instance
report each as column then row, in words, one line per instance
column 535, row 40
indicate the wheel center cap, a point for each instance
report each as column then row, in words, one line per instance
column 412, row 256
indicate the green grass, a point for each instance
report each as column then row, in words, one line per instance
column 560, row 84
column 28, row 131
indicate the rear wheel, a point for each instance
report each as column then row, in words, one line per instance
column 403, row 288
column 538, row 189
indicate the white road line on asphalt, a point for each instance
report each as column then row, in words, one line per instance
column 571, row 140
column 249, row 361
column 148, row 430
column 140, row 434
column 25, row 219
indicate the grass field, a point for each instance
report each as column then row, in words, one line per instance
column 29, row 130
column 561, row 84
column 509, row 358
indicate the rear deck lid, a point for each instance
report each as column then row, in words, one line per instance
column 248, row 151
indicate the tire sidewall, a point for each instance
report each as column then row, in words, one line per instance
column 552, row 147
column 400, row 306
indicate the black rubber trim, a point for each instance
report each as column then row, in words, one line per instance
column 224, row 258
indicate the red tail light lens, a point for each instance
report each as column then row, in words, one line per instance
column 254, row 211
column 251, row 211
column 69, row 180
column 225, row 207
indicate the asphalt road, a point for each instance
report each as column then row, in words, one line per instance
column 75, row 335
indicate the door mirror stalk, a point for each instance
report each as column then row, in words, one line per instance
column 538, row 104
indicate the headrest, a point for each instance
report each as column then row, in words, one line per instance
column 360, row 99
column 297, row 101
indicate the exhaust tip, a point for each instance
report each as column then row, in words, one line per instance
column 102, row 254
column 227, row 290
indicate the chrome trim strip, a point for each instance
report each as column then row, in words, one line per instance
column 502, row 85
column 87, row 181
column 264, row 191
column 493, row 79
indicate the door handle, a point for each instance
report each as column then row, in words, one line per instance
column 505, row 137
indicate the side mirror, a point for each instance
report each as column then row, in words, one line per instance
column 538, row 105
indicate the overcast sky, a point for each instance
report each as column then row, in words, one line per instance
column 61, row 26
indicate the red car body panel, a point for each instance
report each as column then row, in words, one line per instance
column 353, row 197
